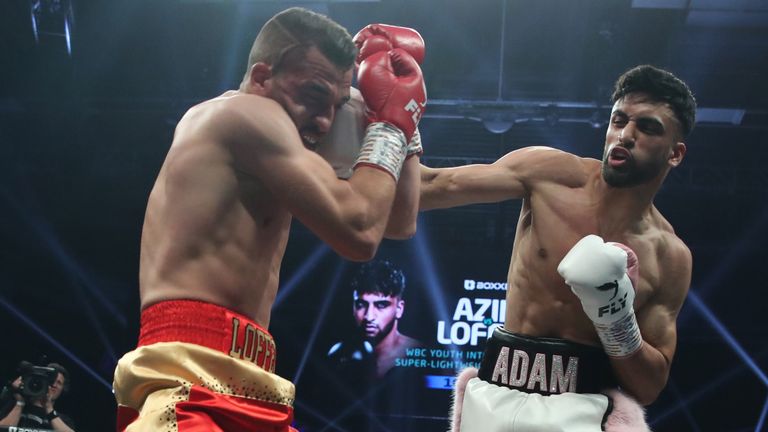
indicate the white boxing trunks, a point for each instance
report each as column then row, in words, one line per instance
column 542, row 385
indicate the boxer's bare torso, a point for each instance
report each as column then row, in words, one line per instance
column 239, row 168
column 211, row 232
column 565, row 198
column 553, row 218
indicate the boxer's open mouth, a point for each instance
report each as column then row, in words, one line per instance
column 619, row 156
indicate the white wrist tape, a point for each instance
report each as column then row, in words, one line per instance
column 414, row 146
column 620, row 338
column 384, row 148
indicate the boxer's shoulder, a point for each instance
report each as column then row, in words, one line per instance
column 243, row 120
column 537, row 164
column 665, row 264
column 669, row 246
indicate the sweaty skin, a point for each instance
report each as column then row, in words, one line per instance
column 566, row 197
column 239, row 168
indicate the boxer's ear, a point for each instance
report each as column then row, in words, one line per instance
column 259, row 75
column 677, row 153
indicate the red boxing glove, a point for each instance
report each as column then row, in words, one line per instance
column 382, row 37
column 393, row 89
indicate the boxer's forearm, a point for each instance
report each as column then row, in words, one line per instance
column 402, row 220
column 643, row 374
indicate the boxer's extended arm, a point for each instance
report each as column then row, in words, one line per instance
column 348, row 215
column 405, row 210
column 645, row 373
column 512, row 176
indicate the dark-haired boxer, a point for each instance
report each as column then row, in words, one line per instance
column 577, row 325
column 240, row 167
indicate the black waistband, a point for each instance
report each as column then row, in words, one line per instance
column 544, row 365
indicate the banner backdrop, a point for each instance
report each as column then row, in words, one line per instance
column 379, row 361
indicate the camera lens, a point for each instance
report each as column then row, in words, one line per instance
column 35, row 385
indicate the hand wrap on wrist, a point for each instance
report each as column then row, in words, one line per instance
column 384, row 148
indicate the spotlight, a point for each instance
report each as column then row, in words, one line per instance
column 52, row 22
column 596, row 120
column 499, row 123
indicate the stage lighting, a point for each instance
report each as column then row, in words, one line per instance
column 497, row 125
column 52, row 22
column 596, row 120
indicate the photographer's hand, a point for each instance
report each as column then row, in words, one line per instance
column 16, row 386
column 57, row 423
column 13, row 417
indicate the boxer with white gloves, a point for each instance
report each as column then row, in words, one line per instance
column 598, row 274
column 587, row 329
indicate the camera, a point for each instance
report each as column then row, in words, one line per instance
column 35, row 380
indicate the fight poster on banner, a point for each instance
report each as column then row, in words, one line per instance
column 396, row 335
column 459, row 338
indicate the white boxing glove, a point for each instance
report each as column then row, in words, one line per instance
column 341, row 145
column 598, row 274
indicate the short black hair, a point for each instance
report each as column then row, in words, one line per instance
column 379, row 276
column 299, row 27
column 661, row 86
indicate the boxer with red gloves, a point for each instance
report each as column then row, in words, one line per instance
column 597, row 275
column 240, row 168
column 393, row 90
column 341, row 147
column 383, row 37
column 342, row 144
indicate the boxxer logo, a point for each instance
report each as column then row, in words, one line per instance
column 416, row 109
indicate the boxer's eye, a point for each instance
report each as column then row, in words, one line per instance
column 650, row 126
column 618, row 120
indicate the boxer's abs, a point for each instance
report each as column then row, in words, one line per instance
column 539, row 305
column 225, row 252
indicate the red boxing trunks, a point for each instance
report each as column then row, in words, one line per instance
column 530, row 384
column 201, row 367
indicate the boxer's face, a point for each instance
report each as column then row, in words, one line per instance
column 310, row 88
column 643, row 141
column 376, row 314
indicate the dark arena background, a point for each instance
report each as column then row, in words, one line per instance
column 91, row 91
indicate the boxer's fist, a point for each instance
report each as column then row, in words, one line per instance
column 341, row 146
column 382, row 37
column 597, row 273
column 393, row 89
